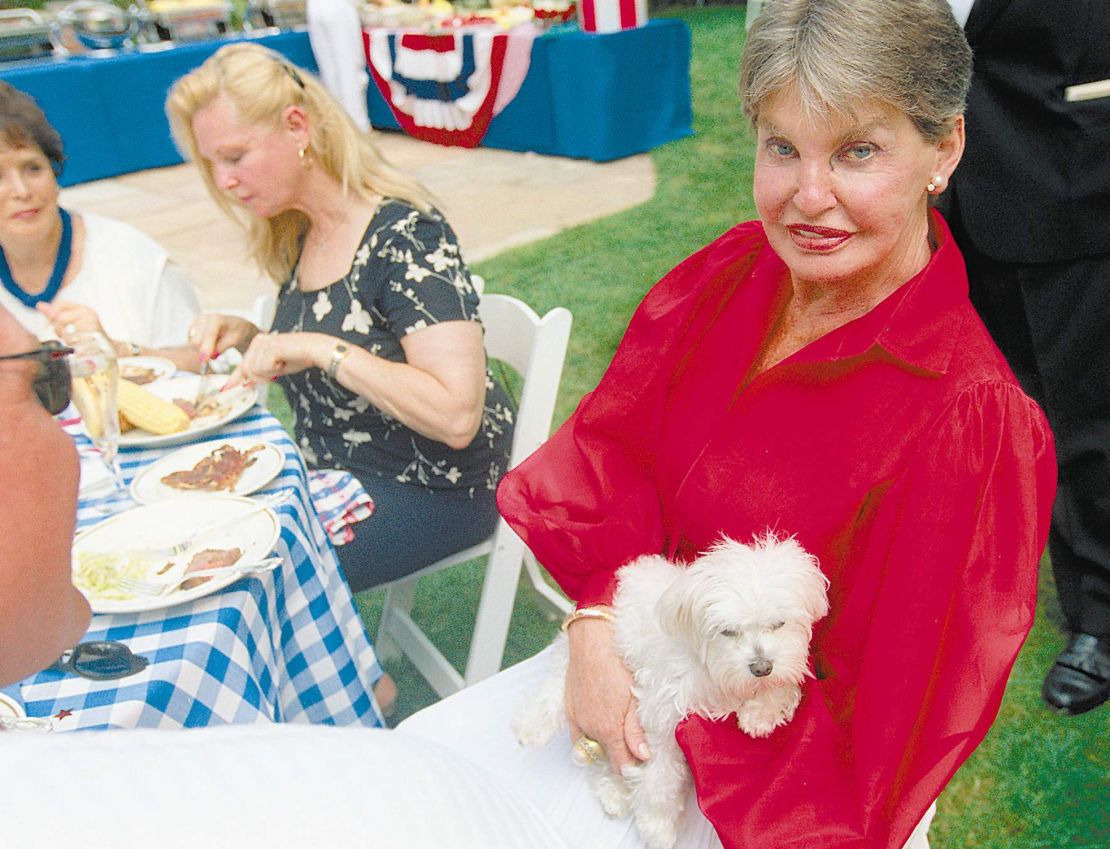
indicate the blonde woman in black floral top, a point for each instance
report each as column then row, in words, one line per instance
column 376, row 341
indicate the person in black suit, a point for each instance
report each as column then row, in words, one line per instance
column 1030, row 209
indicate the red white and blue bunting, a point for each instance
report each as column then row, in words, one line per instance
column 446, row 87
column 611, row 15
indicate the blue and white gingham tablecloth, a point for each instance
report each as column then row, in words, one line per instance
column 285, row 646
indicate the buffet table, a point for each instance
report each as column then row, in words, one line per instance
column 283, row 646
column 591, row 96
column 110, row 110
column 597, row 97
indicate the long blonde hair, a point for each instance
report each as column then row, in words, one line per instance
column 261, row 84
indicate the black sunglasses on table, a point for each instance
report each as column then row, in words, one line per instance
column 52, row 383
column 101, row 660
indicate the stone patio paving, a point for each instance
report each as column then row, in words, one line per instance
column 494, row 199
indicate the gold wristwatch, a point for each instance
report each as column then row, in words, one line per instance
column 338, row 354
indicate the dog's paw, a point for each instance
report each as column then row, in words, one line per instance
column 537, row 721
column 659, row 830
column 612, row 792
column 758, row 717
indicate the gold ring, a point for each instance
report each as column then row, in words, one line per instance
column 585, row 751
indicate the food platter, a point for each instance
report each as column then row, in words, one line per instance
column 268, row 460
column 121, row 546
column 146, row 370
column 221, row 408
column 10, row 708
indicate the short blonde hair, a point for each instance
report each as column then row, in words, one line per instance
column 261, row 84
column 836, row 54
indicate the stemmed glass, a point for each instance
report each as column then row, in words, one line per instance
column 95, row 381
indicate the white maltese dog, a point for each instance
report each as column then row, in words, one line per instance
column 728, row 634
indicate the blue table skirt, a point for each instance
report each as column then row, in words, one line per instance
column 598, row 97
column 590, row 96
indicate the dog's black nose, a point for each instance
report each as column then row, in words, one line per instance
column 760, row 668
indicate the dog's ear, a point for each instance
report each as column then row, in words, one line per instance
column 674, row 609
column 812, row 587
column 677, row 608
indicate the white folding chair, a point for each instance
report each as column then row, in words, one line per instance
column 536, row 348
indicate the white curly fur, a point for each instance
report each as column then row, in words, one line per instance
column 696, row 639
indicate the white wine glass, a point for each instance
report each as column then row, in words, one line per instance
column 95, row 381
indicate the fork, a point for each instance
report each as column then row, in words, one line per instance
column 180, row 547
column 141, row 586
column 203, row 379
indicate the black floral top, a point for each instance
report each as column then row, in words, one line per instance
column 407, row 275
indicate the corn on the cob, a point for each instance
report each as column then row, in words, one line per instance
column 148, row 411
column 85, row 397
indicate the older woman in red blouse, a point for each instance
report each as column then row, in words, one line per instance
column 821, row 373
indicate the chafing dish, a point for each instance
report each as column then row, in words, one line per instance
column 99, row 26
column 189, row 20
column 285, row 14
column 24, row 34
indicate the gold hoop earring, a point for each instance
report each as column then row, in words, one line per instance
column 305, row 161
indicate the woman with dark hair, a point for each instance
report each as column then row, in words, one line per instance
column 64, row 273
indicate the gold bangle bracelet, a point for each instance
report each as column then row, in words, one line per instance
column 338, row 353
column 597, row 612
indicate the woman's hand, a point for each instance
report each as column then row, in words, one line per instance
column 68, row 319
column 272, row 355
column 213, row 333
column 599, row 698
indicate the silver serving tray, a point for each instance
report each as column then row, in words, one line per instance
column 285, row 13
column 191, row 23
column 24, row 34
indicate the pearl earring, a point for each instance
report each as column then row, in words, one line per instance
column 936, row 182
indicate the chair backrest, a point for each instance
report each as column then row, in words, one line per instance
column 263, row 309
column 536, row 347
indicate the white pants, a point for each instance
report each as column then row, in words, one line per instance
column 476, row 723
column 335, row 33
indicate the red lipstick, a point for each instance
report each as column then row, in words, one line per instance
column 810, row 237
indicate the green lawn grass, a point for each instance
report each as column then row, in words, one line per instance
column 1038, row 780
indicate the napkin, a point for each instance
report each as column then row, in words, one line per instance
column 340, row 502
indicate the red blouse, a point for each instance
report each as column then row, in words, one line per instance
column 899, row 450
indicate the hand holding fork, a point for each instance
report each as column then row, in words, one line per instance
column 202, row 380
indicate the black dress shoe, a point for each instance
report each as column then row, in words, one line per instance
column 1079, row 681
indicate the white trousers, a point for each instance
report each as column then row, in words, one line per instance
column 476, row 723
column 335, row 33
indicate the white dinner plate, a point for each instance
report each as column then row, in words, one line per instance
column 147, row 487
column 159, row 368
column 229, row 406
column 10, row 708
column 165, row 523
